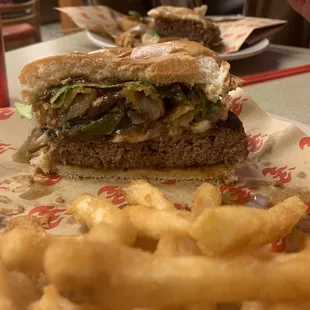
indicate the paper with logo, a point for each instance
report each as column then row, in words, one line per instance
column 236, row 31
column 247, row 30
column 99, row 19
column 279, row 154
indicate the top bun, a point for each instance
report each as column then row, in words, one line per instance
column 159, row 64
column 172, row 12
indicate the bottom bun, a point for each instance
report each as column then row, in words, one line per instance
column 213, row 174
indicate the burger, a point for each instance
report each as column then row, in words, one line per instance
column 153, row 111
column 186, row 23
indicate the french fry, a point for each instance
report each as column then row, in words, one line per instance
column 172, row 244
column 91, row 211
column 228, row 306
column 51, row 300
column 23, row 290
column 305, row 242
column 6, row 294
column 104, row 232
column 22, row 247
column 106, row 268
column 24, row 243
column 170, row 280
column 23, row 222
column 16, row 290
column 154, row 223
column 146, row 244
column 228, row 229
column 191, row 307
column 148, row 221
column 291, row 306
column 206, row 196
column 140, row 192
column 255, row 305
column 203, row 306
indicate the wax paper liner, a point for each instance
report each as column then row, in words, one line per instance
column 247, row 31
column 279, row 152
column 100, row 19
column 235, row 33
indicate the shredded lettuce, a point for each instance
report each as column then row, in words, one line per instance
column 24, row 110
column 207, row 107
column 210, row 108
column 216, row 107
column 151, row 32
column 67, row 97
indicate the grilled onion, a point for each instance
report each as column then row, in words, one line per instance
column 151, row 108
column 37, row 143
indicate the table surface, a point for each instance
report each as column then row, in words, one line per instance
column 287, row 97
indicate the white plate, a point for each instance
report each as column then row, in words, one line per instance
column 250, row 51
column 247, row 52
column 99, row 41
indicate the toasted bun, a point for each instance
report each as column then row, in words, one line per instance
column 216, row 174
column 159, row 64
column 173, row 12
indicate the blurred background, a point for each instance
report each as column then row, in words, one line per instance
column 28, row 22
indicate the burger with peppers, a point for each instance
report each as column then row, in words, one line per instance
column 153, row 111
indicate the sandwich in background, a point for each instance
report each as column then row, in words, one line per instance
column 186, row 23
column 132, row 30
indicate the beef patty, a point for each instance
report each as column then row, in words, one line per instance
column 226, row 143
column 191, row 29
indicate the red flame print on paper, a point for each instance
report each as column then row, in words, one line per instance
column 253, row 25
column 47, row 179
column 85, row 15
column 52, row 215
column 241, row 35
column 102, row 16
column 235, row 194
column 227, row 99
column 255, row 142
column 113, row 192
column 235, row 104
column 227, row 35
column 305, row 141
column 282, row 175
column 4, row 147
column 3, row 186
column 278, row 246
column 169, row 182
column 6, row 113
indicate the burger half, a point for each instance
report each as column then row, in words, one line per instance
column 154, row 111
column 186, row 23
